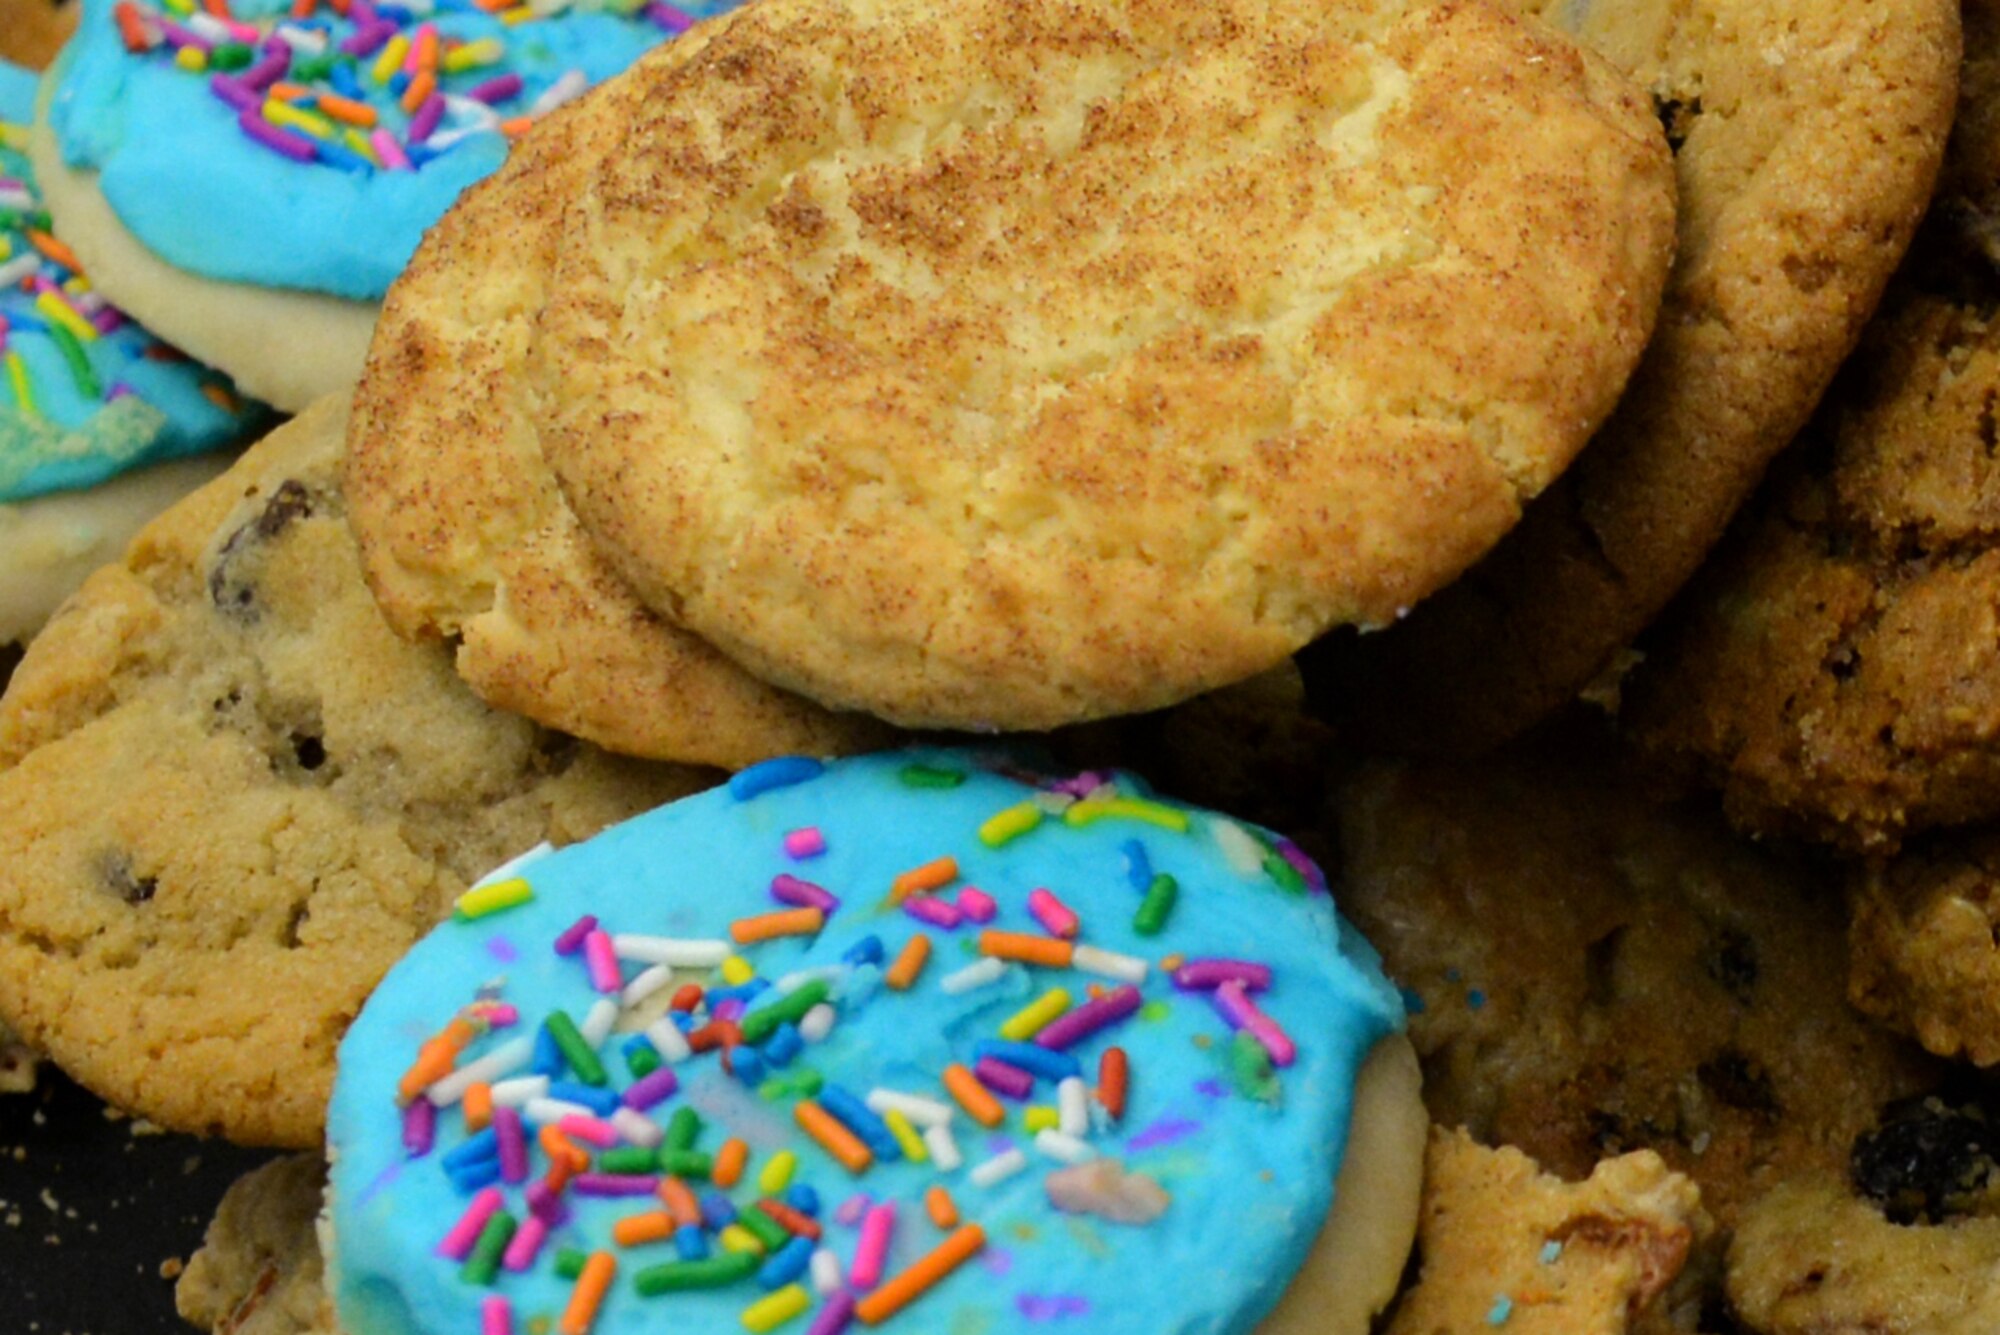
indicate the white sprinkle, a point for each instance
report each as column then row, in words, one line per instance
column 798, row 978
column 571, row 85
column 826, row 1277
column 1053, row 803
column 817, row 1023
column 302, row 39
column 508, row 870
column 514, row 1093
column 1073, row 1106
column 668, row 1040
column 1109, row 963
column 649, row 980
column 668, row 950
column 1243, row 853
column 482, row 116
column 980, row 973
column 21, row 266
column 509, row 1056
column 924, row 1112
column 999, row 1168
column 13, row 197
column 637, row 1128
column 944, row 1150
column 1062, row 1148
column 597, row 1021
column 544, row 1111
column 209, row 26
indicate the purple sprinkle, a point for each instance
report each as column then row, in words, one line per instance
column 361, row 12
column 614, row 1184
column 1200, row 975
column 546, row 1205
column 296, row 147
column 997, row 1260
column 666, row 16
column 500, row 948
column 1080, row 785
column 497, row 89
column 419, row 1127
column 730, row 1010
column 269, row 69
column 427, row 118
column 382, row 1181
column 1211, row 1089
column 119, row 390
column 649, row 1090
column 108, row 320
column 789, row 889
column 1004, row 1079
column 512, row 1137
column 1036, row 1307
column 367, row 39
column 1163, row 1132
column 572, row 936
column 234, row 93
column 834, row 1316
column 178, row 37
column 848, row 1215
column 1066, row 1031
column 1302, row 864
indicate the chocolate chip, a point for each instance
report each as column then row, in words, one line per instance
column 229, row 588
column 1732, row 961
column 1736, row 1080
column 1927, row 1160
column 1676, row 118
column 119, row 878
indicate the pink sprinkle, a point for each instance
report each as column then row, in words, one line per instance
column 602, row 961
column 804, row 842
column 1055, row 916
column 513, row 1141
column 730, row 1010
column 873, row 1248
column 391, row 152
column 789, row 889
column 1066, row 1031
column 496, row 1316
column 1200, row 975
column 834, row 1316
column 108, row 320
column 852, row 1210
column 931, row 909
column 1081, row 785
column 1004, row 1078
column 419, row 1127
column 502, row 1015
column 1242, row 1013
column 416, row 40
column 595, row 1130
column 457, row 1244
column 572, row 936
column 527, row 1240
column 977, row 905
column 242, row 32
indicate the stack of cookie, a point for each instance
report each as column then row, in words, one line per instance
column 846, row 371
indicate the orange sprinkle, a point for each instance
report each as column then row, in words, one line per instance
column 54, row 249
column 426, row 49
column 652, row 1226
column 943, row 1209
column 935, row 873
column 916, row 952
column 1114, row 1076
column 514, row 129
column 729, row 1160
column 929, row 1270
column 220, row 396
column 303, row 9
column 130, row 27
column 346, row 110
column 558, row 1176
column 834, row 1138
column 679, row 1200
column 219, row 8
column 972, row 1096
column 1173, row 961
column 792, row 1221
column 421, row 87
column 439, row 1052
column 288, row 92
column 1048, row 951
column 588, row 1295
column 785, row 922
column 561, row 1149
column 478, row 1107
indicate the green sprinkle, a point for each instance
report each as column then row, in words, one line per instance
column 686, row 1163
column 759, row 1025
column 87, row 383
column 627, row 1159
column 1284, row 873
column 1155, row 1011
column 1250, row 1068
column 569, row 1040
column 569, row 1262
column 763, row 1228
column 1158, row 903
column 229, row 56
column 643, row 1059
column 312, row 69
column 484, row 1263
column 801, row 1082
column 929, row 776
column 683, row 1129
column 713, row 1273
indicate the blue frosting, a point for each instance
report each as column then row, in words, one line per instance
column 134, row 401
column 184, row 178
column 1248, row 1159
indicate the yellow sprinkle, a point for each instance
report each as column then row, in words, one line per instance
column 1012, row 823
column 518, row 14
column 17, row 379
column 777, row 1172
column 192, row 59
column 309, row 122
column 487, row 899
column 906, row 1136
column 358, row 142
column 774, row 1310
column 1131, row 808
column 391, row 59
column 736, row 1238
column 61, row 312
column 1040, row 1117
column 77, row 285
column 1036, row 1016
column 181, row 7
column 472, row 55
column 6, row 247
column 737, row 971
column 14, row 136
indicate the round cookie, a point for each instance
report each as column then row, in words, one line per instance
column 97, row 417
column 259, row 1271
column 1215, row 1156
column 483, row 551
column 1272, row 342
column 258, row 232
column 230, row 797
column 1807, row 136
column 32, row 31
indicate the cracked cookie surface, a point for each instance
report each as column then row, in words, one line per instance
column 231, row 797
column 1007, row 365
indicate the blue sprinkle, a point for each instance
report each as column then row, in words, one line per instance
column 547, row 1058
column 1550, row 1251
column 801, row 1197
column 783, row 1046
column 868, row 950
column 1138, row 866
column 1475, row 999
column 344, row 82
column 787, row 1264
column 716, row 1211
column 1043, row 1063
column 691, row 1243
column 1413, row 1002
column 473, row 1176
column 859, row 1118
column 475, row 1149
column 743, row 992
column 333, row 155
column 398, row 84
column 748, row 1065
column 1503, row 1307
column 782, row 772
column 603, row 1102
column 1452, row 975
